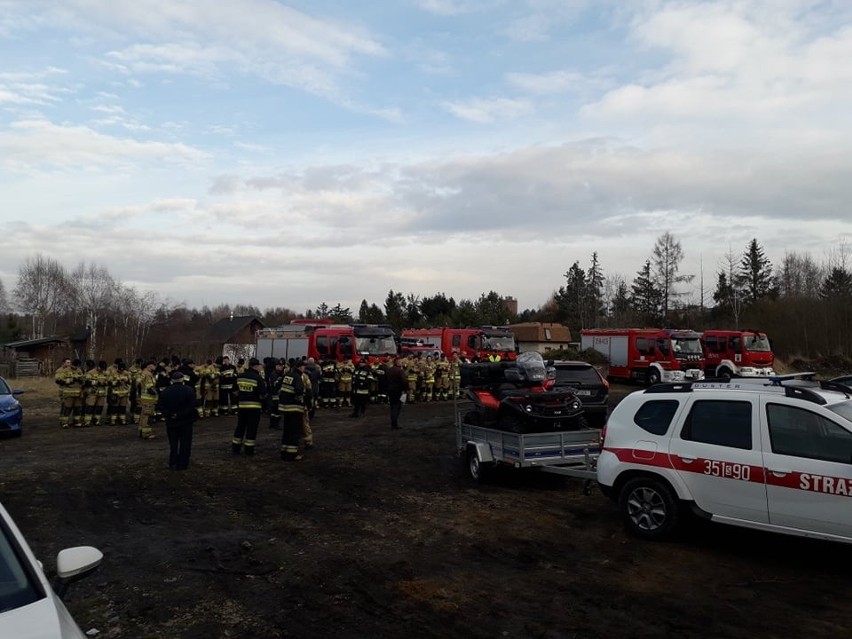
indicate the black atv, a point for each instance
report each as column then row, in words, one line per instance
column 516, row 397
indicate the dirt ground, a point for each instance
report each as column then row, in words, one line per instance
column 381, row 533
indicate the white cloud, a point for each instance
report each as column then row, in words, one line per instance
column 486, row 111
column 35, row 144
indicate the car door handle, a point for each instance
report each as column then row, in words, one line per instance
column 779, row 472
column 686, row 460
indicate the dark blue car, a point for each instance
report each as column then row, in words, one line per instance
column 11, row 412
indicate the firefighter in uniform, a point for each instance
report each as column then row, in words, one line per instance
column 251, row 389
column 119, row 393
column 147, row 399
column 291, row 405
column 442, row 378
column 428, row 371
column 455, row 376
column 380, row 371
column 328, row 383
column 135, row 373
column 362, row 378
column 97, row 386
column 307, row 432
column 273, row 386
column 69, row 378
column 344, row 385
column 227, row 377
column 162, row 380
column 210, row 400
column 409, row 365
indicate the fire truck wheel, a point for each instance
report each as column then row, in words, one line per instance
column 653, row 376
column 648, row 508
column 478, row 471
column 725, row 374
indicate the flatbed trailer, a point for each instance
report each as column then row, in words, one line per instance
column 569, row 453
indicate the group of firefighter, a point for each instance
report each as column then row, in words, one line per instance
column 429, row 379
column 98, row 394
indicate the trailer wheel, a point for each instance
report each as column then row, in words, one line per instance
column 653, row 376
column 649, row 508
column 472, row 417
column 478, row 470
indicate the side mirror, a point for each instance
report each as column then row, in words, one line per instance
column 18, row 392
column 72, row 564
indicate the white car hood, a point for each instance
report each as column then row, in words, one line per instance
column 44, row 619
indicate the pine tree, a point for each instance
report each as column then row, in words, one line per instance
column 755, row 274
column 837, row 285
column 646, row 298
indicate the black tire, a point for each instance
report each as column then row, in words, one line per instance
column 725, row 374
column 477, row 470
column 580, row 422
column 649, row 508
column 653, row 376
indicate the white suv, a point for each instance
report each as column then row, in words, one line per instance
column 773, row 454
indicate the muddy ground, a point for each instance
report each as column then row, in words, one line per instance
column 381, row 533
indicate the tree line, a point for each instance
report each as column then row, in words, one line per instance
column 805, row 306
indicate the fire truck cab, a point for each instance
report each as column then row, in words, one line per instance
column 730, row 354
column 483, row 343
column 648, row 355
column 327, row 341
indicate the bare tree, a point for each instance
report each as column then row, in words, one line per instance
column 728, row 293
column 42, row 292
column 667, row 257
column 4, row 301
column 94, row 288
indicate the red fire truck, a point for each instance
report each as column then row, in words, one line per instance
column 483, row 343
column 737, row 354
column 648, row 355
column 326, row 341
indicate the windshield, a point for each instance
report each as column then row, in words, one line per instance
column 686, row 346
column 757, row 343
column 376, row 345
column 16, row 587
column 498, row 343
column 4, row 387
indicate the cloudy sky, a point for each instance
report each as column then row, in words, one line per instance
column 290, row 152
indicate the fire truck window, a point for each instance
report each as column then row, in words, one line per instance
column 656, row 417
column 735, row 344
column 800, row 433
column 718, row 422
column 471, row 342
column 663, row 345
column 456, row 340
column 713, row 344
column 644, row 346
column 322, row 345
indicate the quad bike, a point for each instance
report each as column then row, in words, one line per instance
column 515, row 397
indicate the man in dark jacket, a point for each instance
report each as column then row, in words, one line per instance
column 178, row 406
column 291, row 406
column 397, row 385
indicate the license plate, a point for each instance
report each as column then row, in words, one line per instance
column 584, row 393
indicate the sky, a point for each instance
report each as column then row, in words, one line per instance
column 286, row 153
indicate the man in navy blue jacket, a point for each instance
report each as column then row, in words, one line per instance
column 178, row 405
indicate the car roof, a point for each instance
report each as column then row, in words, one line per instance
column 797, row 385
